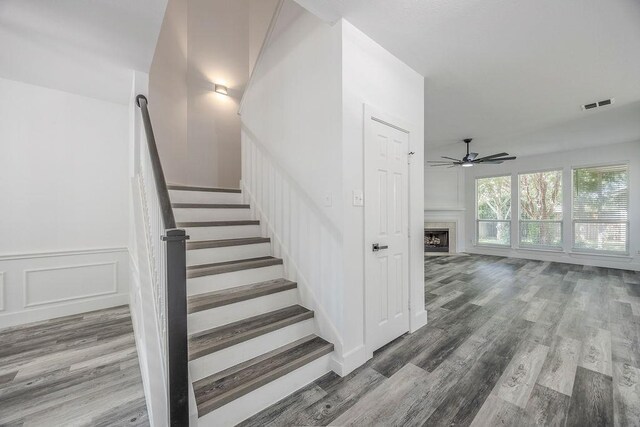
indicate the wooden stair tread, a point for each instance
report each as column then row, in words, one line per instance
column 219, row 389
column 212, row 340
column 223, row 297
column 209, row 206
column 208, row 244
column 217, row 223
column 230, row 266
column 210, row 189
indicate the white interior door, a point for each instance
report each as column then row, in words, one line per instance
column 386, row 224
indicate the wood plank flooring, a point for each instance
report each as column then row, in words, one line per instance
column 509, row 342
column 76, row 370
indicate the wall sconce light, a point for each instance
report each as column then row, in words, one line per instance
column 221, row 89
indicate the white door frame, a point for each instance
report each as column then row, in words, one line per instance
column 372, row 113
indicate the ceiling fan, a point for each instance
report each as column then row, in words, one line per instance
column 472, row 159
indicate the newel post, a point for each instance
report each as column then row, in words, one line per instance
column 178, row 357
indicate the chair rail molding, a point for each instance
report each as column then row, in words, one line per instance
column 7, row 257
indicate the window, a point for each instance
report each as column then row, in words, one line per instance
column 540, row 222
column 600, row 209
column 493, row 215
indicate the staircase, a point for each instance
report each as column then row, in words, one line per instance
column 250, row 342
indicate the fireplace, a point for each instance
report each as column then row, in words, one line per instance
column 436, row 240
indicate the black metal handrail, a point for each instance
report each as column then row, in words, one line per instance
column 176, row 292
column 158, row 174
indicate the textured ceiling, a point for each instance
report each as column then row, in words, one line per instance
column 513, row 73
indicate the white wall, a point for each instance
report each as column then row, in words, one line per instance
column 303, row 129
column 374, row 77
column 168, row 92
column 86, row 48
column 444, row 197
column 63, row 179
column 292, row 154
column 443, row 189
column 618, row 153
column 294, row 110
column 218, row 52
column 260, row 14
column 204, row 42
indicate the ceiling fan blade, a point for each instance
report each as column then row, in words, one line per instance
column 450, row 158
column 443, row 164
column 493, row 156
column 499, row 158
column 437, row 161
column 472, row 156
column 490, row 162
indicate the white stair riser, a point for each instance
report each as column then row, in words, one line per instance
column 251, row 403
column 219, row 316
column 220, row 360
column 181, row 196
column 224, row 232
column 211, row 214
column 227, row 253
column 216, row 282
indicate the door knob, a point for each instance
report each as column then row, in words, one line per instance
column 376, row 247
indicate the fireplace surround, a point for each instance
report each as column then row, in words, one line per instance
column 437, row 230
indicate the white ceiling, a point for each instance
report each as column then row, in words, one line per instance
column 123, row 31
column 82, row 46
column 513, row 73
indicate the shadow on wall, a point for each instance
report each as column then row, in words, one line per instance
column 203, row 42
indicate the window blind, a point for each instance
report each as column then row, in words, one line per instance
column 601, row 208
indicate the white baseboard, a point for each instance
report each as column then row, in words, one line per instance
column 60, row 310
column 595, row 260
column 349, row 361
column 418, row 321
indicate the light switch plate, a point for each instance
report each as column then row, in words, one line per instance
column 358, row 198
column 327, row 200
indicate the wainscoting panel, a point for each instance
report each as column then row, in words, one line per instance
column 300, row 233
column 51, row 285
column 41, row 286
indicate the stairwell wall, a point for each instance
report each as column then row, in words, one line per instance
column 303, row 157
column 168, row 94
column 64, row 220
column 203, row 42
column 292, row 158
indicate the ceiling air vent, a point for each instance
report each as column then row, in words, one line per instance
column 593, row 105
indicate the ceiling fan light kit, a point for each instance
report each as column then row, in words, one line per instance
column 471, row 159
